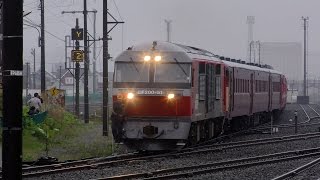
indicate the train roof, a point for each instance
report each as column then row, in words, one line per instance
column 196, row 53
column 171, row 47
column 250, row 67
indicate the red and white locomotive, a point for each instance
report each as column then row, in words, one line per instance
column 174, row 94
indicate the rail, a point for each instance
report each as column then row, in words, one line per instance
column 189, row 171
column 67, row 167
column 298, row 170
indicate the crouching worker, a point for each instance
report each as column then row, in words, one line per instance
column 33, row 111
column 117, row 118
column 34, row 104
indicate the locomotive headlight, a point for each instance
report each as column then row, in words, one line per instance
column 170, row 96
column 147, row 58
column 157, row 58
column 130, row 95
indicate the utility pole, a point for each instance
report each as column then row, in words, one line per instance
column 67, row 43
column 43, row 65
column 305, row 21
column 259, row 51
column 250, row 22
column 86, row 63
column 27, row 82
column 168, row 23
column 60, row 77
column 77, row 75
column 106, row 57
column 254, row 51
column 94, row 53
column 11, row 31
column 33, row 52
column 105, row 83
column 250, row 51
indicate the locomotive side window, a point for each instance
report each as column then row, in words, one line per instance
column 218, row 87
column 218, row 81
column 218, row 69
column 241, row 86
column 202, row 68
column 236, row 85
column 202, row 81
column 276, row 86
column 192, row 78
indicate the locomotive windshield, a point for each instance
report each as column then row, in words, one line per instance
column 172, row 72
column 131, row 72
column 163, row 72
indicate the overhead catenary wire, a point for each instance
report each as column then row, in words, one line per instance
column 115, row 4
column 37, row 26
column 59, row 19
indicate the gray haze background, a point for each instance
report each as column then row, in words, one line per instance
column 216, row 25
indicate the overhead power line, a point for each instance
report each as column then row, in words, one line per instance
column 37, row 26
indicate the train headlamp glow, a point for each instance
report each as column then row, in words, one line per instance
column 147, row 58
column 170, row 96
column 157, row 58
column 130, row 95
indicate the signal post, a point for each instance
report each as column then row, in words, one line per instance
column 77, row 57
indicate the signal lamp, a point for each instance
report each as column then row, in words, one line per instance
column 147, row 58
column 130, row 95
column 157, row 58
column 170, row 96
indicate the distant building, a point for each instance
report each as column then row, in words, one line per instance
column 285, row 57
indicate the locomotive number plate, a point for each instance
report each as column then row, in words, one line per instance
column 150, row 92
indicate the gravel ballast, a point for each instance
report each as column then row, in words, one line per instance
column 259, row 172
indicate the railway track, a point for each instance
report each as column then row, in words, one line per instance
column 307, row 122
column 189, row 171
column 241, row 144
column 309, row 118
column 94, row 163
column 285, row 126
column 135, row 157
column 298, row 170
column 74, row 165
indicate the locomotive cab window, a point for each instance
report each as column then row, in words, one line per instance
column 173, row 72
column 131, row 72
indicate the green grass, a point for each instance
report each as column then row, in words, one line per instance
column 78, row 146
column 32, row 147
column 68, row 138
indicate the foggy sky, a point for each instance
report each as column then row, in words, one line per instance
column 215, row 25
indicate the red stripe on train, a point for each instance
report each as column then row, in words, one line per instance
column 158, row 106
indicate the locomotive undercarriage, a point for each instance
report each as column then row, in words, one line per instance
column 156, row 133
column 206, row 129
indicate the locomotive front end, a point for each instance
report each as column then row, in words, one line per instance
column 153, row 85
